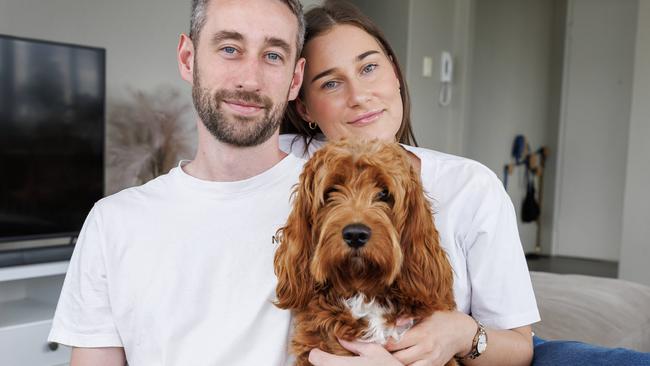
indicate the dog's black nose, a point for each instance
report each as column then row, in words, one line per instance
column 356, row 235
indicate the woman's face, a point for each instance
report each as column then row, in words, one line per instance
column 350, row 88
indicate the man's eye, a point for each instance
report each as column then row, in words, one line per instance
column 274, row 57
column 229, row 50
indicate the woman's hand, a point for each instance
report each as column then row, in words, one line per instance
column 369, row 354
column 436, row 339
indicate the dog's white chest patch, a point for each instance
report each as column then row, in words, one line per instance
column 378, row 330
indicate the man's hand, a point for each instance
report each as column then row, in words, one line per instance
column 369, row 354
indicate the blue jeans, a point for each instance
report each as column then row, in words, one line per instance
column 570, row 353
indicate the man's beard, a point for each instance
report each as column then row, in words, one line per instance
column 239, row 130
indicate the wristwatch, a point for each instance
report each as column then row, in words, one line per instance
column 479, row 343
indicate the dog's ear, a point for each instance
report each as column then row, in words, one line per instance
column 426, row 276
column 291, row 263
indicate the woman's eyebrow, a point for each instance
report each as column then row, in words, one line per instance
column 366, row 54
column 329, row 71
column 323, row 74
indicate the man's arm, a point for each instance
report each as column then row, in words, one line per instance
column 108, row 356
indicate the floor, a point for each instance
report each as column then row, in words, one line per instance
column 557, row 264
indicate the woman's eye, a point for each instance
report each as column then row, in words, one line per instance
column 369, row 68
column 330, row 85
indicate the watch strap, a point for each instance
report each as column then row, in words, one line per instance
column 474, row 352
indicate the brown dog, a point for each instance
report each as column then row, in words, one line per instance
column 359, row 249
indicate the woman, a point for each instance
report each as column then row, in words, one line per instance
column 353, row 87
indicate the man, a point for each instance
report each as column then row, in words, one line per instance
column 179, row 271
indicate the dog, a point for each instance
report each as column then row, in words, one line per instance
column 359, row 249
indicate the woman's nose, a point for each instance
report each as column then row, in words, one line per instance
column 359, row 94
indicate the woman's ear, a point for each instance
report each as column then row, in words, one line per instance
column 301, row 108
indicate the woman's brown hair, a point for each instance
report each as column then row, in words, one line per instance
column 321, row 20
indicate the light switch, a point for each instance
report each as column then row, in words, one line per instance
column 427, row 67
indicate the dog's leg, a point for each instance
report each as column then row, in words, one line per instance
column 320, row 327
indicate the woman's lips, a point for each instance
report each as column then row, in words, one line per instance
column 366, row 118
column 244, row 108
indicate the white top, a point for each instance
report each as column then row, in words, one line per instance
column 478, row 230
column 179, row 271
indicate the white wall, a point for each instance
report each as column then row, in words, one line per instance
column 511, row 88
column 635, row 245
column 309, row 3
column 140, row 37
column 594, row 128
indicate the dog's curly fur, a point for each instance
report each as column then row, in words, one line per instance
column 401, row 267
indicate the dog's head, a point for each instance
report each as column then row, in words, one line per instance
column 360, row 223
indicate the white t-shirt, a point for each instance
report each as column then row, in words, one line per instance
column 478, row 230
column 179, row 271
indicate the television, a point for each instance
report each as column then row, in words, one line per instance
column 52, row 102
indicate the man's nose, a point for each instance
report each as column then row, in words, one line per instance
column 249, row 75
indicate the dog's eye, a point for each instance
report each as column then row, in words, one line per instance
column 384, row 195
column 328, row 193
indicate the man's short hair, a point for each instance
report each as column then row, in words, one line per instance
column 199, row 15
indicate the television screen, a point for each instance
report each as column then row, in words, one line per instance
column 51, row 138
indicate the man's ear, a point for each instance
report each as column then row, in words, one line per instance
column 185, row 56
column 296, row 81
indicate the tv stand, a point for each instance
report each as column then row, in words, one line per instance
column 28, row 298
column 35, row 256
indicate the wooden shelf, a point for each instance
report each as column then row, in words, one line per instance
column 33, row 271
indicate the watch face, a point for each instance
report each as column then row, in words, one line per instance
column 482, row 343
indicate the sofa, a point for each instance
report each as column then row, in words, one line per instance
column 602, row 311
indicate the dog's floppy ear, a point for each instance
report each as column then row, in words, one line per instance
column 426, row 276
column 295, row 284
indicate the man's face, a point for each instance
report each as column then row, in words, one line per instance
column 244, row 69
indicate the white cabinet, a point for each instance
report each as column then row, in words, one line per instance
column 28, row 297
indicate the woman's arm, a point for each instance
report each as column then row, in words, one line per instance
column 443, row 335
column 506, row 347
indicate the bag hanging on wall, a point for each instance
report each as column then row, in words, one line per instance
column 529, row 207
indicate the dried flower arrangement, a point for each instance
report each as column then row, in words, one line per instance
column 147, row 136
